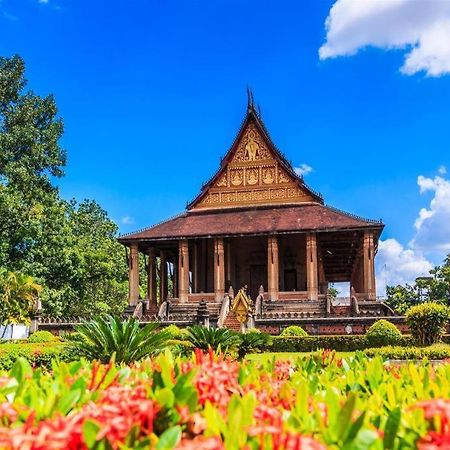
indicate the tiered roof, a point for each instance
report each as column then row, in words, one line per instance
column 255, row 191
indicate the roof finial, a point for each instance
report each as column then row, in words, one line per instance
column 250, row 100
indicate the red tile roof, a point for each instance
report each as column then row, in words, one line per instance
column 264, row 220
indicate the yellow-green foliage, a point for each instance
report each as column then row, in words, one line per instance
column 294, row 331
column 37, row 354
column 43, row 336
column 382, row 333
column 427, row 322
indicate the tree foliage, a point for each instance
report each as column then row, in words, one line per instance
column 434, row 288
column 69, row 248
column 18, row 294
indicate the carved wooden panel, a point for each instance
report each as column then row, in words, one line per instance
column 253, row 177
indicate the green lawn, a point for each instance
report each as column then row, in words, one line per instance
column 263, row 357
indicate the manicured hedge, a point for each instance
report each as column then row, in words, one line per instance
column 43, row 336
column 37, row 354
column 345, row 343
column 436, row 351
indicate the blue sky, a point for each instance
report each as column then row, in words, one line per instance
column 152, row 94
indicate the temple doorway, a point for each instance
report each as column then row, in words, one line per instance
column 258, row 276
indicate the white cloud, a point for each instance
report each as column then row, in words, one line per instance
column 303, row 169
column 419, row 27
column 43, row 1
column 127, row 220
column 398, row 265
column 442, row 170
column 432, row 225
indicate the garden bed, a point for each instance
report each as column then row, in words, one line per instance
column 208, row 402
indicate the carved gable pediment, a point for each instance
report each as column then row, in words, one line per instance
column 253, row 174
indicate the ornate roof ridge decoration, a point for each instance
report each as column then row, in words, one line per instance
column 354, row 216
column 162, row 222
column 252, row 148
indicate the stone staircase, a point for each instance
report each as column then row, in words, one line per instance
column 301, row 308
column 231, row 322
column 188, row 311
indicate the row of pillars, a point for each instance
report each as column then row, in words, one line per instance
column 181, row 282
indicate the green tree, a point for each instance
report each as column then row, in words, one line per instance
column 433, row 288
column 439, row 284
column 30, row 156
column 18, row 295
column 400, row 298
column 69, row 248
column 83, row 265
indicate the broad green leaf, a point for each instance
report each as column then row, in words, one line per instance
column 391, row 428
column 169, row 439
column 90, row 432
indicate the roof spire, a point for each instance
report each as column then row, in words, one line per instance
column 250, row 99
column 259, row 111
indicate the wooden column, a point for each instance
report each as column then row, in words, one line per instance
column 183, row 270
column 162, row 276
column 369, row 265
column 228, row 265
column 195, row 274
column 311, row 266
column 133, row 275
column 272, row 267
column 151, row 276
column 219, row 269
column 323, row 284
column 175, row 277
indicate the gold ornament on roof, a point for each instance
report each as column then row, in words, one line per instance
column 268, row 176
column 236, row 178
column 252, row 176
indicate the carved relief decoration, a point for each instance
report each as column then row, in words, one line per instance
column 253, row 176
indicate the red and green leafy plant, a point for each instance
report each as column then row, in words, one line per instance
column 208, row 401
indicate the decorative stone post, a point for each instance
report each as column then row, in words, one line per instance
column 133, row 275
column 311, row 266
column 219, row 269
column 151, row 278
column 203, row 314
column 162, row 276
column 183, row 270
column 272, row 267
column 369, row 266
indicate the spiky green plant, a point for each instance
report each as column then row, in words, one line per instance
column 216, row 338
column 253, row 342
column 102, row 337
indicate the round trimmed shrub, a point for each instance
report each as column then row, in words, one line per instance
column 40, row 337
column 382, row 333
column 294, row 331
column 427, row 322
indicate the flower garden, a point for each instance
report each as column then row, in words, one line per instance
column 207, row 401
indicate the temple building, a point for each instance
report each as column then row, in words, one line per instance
column 257, row 224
